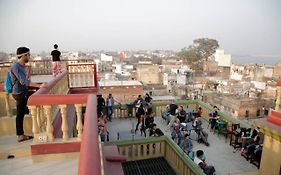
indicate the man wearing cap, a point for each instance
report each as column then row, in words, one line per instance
column 21, row 81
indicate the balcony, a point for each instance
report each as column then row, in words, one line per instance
column 66, row 139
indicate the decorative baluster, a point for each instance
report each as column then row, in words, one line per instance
column 38, row 118
column 35, row 128
column 79, row 125
column 64, row 125
column 139, row 151
column 50, row 127
column 8, row 106
column 42, row 118
column 162, row 148
column 150, row 150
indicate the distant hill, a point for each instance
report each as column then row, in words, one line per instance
column 245, row 59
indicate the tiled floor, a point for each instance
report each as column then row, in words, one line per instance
column 219, row 153
column 24, row 163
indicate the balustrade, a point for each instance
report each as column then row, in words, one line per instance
column 158, row 147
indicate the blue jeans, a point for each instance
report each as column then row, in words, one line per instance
column 109, row 112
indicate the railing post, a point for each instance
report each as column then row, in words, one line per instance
column 50, row 127
column 35, row 128
column 8, row 106
column 38, row 118
column 64, row 125
column 79, row 126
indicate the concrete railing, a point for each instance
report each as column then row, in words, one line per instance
column 158, row 108
column 158, row 147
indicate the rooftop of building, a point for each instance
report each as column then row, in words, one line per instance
column 108, row 83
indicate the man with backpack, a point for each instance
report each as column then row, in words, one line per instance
column 20, row 82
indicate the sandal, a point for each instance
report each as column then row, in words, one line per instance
column 24, row 138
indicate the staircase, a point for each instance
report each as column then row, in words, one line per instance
column 153, row 166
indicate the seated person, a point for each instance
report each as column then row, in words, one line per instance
column 155, row 132
column 176, row 133
column 249, row 150
column 182, row 114
column 202, row 135
column 149, row 120
column 199, row 159
column 186, row 145
column 166, row 113
column 248, row 137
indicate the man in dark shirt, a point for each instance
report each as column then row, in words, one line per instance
column 56, row 60
column 21, row 81
column 101, row 104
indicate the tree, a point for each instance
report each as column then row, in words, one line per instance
column 202, row 48
column 206, row 47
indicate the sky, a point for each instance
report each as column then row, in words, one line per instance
column 242, row 27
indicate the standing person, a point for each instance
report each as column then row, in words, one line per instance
column 20, row 82
column 173, row 113
column 109, row 106
column 199, row 112
column 101, row 105
column 140, row 116
column 182, row 114
column 148, row 103
column 104, row 134
column 213, row 118
column 56, row 60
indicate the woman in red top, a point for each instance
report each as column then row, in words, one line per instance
column 103, row 129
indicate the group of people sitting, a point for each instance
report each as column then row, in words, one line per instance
column 252, row 144
column 183, row 121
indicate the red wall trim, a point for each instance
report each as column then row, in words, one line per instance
column 90, row 160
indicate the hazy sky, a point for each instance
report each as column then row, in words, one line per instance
column 241, row 26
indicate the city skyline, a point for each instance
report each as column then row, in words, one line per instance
column 241, row 27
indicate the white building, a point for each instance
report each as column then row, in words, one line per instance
column 105, row 57
column 223, row 60
column 236, row 72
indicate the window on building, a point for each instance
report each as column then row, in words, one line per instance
column 258, row 112
column 247, row 114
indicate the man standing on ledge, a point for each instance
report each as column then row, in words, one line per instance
column 20, row 82
column 56, row 60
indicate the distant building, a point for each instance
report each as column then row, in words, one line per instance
column 239, row 106
column 277, row 71
column 148, row 74
column 123, row 91
column 223, row 60
column 105, row 57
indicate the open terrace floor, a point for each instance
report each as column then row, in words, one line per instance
column 219, row 154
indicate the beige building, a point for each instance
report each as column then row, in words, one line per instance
column 238, row 106
column 123, row 91
column 149, row 74
column 277, row 71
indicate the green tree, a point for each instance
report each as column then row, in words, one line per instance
column 205, row 46
column 201, row 49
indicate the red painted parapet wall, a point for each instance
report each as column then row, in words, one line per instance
column 90, row 159
column 275, row 117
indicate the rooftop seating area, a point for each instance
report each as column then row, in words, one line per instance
column 218, row 153
column 68, row 135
